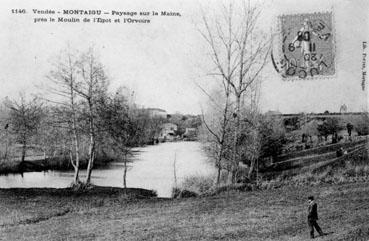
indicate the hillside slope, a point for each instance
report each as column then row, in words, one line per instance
column 277, row 214
column 318, row 160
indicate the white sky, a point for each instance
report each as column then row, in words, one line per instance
column 161, row 61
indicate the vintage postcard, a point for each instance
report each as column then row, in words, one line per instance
column 184, row 120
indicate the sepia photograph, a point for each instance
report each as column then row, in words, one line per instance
column 184, row 120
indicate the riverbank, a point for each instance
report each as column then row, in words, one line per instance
column 39, row 165
column 105, row 214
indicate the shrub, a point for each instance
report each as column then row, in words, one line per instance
column 182, row 193
column 81, row 186
column 198, row 184
column 362, row 129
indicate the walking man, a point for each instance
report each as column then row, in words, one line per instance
column 313, row 217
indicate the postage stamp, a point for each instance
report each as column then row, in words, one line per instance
column 307, row 46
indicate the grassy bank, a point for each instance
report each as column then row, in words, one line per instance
column 112, row 214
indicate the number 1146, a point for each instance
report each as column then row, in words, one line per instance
column 18, row 11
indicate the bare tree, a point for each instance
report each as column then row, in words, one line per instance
column 5, row 138
column 63, row 82
column 239, row 53
column 118, row 124
column 24, row 119
column 91, row 86
column 217, row 125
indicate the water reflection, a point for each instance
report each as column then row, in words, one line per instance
column 152, row 169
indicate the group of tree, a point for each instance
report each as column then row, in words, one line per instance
column 78, row 119
column 361, row 124
column 330, row 126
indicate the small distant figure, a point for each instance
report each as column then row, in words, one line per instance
column 334, row 138
column 313, row 217
column 349, row 128
column 304, row 139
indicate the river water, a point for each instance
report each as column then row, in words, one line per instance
column 152, row 168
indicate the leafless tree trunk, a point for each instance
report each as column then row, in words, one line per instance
column 6, row 141
column 92, row 84
column 237, row 57
column 64, row 83
column 219, row 136
column 24, row 149
column 91, row 150
column 75, row 163
column 175, row 170
column 125, row 174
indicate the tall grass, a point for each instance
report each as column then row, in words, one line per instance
column 194, row 185
column 206, row 185
column 8, row 166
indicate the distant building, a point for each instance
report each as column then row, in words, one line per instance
column 156, row 112
column 168, row 132
column 296, row 121
column 190, row 133
column 273, row 113
column 343, row 108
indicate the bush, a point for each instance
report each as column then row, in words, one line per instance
column 198, row 184
column 182, row 193
column 79, row 186
column 362, row 128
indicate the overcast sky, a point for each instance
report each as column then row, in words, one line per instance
column 162, row 61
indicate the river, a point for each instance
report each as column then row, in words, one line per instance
column 152, row 168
